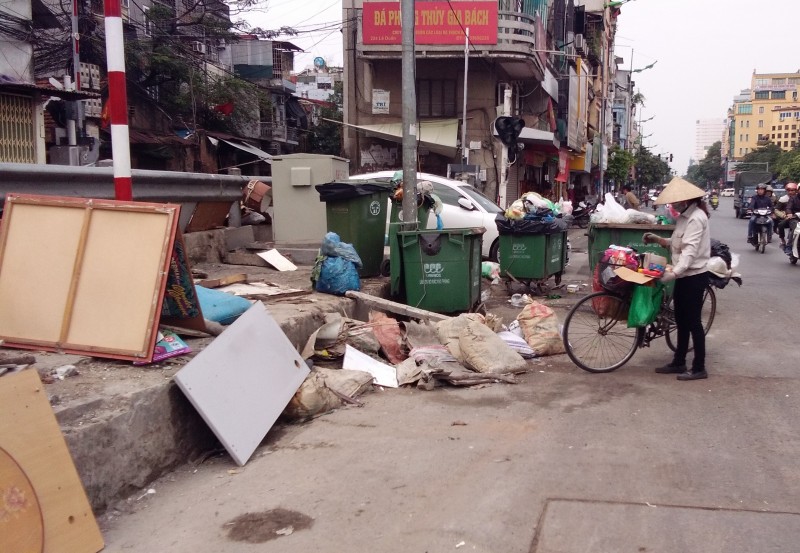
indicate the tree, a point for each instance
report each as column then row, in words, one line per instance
column 790, row 166
column 757, row 160
column 709, row 171
column 327, row 135
column 619, row 164
column 650, row 170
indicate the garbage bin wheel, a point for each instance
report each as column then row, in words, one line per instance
column 557, row 279
column 386, row 268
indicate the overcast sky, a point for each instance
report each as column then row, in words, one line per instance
column 706, row 51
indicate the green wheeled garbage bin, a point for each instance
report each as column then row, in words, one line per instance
column 602, row 235
column 442, row 268
column 357, row 213
column 396, row 286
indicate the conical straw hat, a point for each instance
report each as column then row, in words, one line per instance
column 679, row 190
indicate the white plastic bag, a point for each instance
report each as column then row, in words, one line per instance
column 612, row 211
column 565, row 207
column 636, row 217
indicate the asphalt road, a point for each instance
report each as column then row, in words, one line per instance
column 564, row 461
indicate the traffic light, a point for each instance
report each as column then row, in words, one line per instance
column 508, row 131
column 670, row 158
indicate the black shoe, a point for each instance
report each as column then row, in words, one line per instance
column 671, row 369
column 693, row 375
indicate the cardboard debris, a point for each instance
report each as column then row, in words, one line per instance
column 262, row 290
column 630, row 275
column 274, row 258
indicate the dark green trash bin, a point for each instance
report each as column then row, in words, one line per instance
column 442, row 268
column 532, row 256
column 357, row 213
column 602, row 235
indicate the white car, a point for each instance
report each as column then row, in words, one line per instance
column 463, row 206
column 727, row 192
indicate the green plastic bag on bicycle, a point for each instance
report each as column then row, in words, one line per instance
column 645, row 304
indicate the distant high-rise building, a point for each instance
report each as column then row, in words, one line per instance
column 707, row 131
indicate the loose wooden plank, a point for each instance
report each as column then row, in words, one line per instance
column 223, row 281
column 394, row 307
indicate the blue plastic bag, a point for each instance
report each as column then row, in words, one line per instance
column 337, row 275
column 333, row 246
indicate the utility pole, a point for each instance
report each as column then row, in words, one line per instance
column 464, row 148
column 502, row 186
column 410, row 130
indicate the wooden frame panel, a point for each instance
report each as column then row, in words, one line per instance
column 31, row 438
column 84, row 276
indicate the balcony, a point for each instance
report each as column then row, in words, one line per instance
column 515, row 51
column 763, row 140
column 279, row 133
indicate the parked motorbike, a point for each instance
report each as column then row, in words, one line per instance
column 581, row 214
column 763, row 221
column 714, row 201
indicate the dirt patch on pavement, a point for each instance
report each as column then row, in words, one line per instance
column 267, row 525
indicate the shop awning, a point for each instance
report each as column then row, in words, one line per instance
column 439, row 136
column 244, row 146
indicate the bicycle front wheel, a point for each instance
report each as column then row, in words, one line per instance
column 596, row 333
column 706, row 315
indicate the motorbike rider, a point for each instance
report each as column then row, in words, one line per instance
column 779, row 215
column 759, row 201
column 792, row 207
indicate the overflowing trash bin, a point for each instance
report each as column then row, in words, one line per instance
column 357, row 213
column 442, row 268
column 533, row 248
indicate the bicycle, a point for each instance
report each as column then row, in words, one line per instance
column 597, row 338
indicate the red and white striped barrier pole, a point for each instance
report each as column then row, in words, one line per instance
column 117, row 100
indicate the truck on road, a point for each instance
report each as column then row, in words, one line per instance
column 746, row 179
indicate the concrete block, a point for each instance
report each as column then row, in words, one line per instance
column 207, row 246
column 238, row 237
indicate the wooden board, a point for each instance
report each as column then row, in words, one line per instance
column 36, row 469
column 243, row 380
column 84, row 276
column 263, row 291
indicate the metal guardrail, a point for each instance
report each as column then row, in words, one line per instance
column 98, row 182
column 148, row 186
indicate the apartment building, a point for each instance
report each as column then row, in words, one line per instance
column 551, row 57
column 770, row 114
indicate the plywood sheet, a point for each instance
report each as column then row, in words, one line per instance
column 36, row 469
column 243, row 380
column 84, row 276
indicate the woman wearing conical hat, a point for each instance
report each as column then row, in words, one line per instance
column 690, row 245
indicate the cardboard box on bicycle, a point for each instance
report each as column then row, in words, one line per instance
column 629, row 275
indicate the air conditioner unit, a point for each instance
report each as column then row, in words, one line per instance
column 580, row 44
column 221, row 43
column 198, row 47
column 570, row 51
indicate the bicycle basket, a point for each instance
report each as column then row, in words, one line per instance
column 607, row 280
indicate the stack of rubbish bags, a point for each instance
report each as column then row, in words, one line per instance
column 535, row 214
column 336, row 267
column 612, row 212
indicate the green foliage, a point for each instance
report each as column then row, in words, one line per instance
column 756, row 160
column 709, row 170
column 650, row 170
column 788, row 166
column 619, row 164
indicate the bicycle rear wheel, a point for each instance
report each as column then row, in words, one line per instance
column 706, row 315
column 596, row 333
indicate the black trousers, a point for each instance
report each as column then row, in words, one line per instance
column 688, row 302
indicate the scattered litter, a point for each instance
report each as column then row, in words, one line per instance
column 285, row 531
column 572, row 288
column 150, row 491
column 65, row 371
column 384, row 374
column 274, row 258
column 263, row 290
column 168, row 345
column 458, row 423
column 223, row 281
column 460, row 544
column 234, row 471
column 387, row 331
